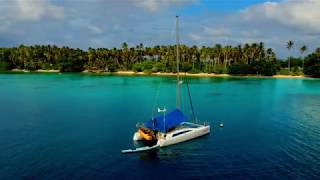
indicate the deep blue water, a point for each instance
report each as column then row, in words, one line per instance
column 73, row 126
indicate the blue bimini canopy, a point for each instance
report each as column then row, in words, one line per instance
column 171, row 120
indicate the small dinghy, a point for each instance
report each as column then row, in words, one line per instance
column 145, row 148
column 146, row 134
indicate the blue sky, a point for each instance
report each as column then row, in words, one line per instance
column 108, row 23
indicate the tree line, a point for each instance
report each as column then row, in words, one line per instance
column 252, row 58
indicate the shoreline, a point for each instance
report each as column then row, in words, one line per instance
column 194, row 75
column 161, row 74
column 169, row 74
column 37, row 71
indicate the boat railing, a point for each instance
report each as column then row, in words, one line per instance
column 198, row 123
column 205, row 123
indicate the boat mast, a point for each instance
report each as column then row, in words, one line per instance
column 178, row 59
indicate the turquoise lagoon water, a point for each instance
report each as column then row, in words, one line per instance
column 73, row 126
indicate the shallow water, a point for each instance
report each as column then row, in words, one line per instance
column 73, row 126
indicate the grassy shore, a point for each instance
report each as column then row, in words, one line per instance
column 160, row 74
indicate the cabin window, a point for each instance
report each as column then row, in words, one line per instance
column 179, row 133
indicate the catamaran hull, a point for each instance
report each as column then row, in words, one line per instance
column 192, row 134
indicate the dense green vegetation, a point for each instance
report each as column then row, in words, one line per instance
column 243, row 59
column 312, row 64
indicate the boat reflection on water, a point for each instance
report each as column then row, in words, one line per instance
column 152, row 155
column 163, row 154
column 172, row 153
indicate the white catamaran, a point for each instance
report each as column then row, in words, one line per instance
column 173, row 127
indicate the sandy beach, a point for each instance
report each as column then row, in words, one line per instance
column 48, row 71
column 19, row 70
column 288, row 76
column 166, row 74
column 204, row 75
column 161, row 74
column 39, row 70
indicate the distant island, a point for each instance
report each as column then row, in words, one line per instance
column 247, row 59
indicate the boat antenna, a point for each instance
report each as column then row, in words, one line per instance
column 178, row 59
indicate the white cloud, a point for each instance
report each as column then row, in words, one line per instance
column 218, row 31
column 30, row 10
column 273, row 23
column 155, row 5
column 4, row 24
column 301, row 14
column 96, row 42
column 195, row 37
column 95, row 29
column 151, row 5
column 83, row 23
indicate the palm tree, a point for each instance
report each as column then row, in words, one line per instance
column 217, row 53
column 125, row 52
column 270, row 55
column 91, row 57
column 303, row 49
column 246, row 50
column 205, row 58
column 226, row 53
column 261, row 51
column 289, row 47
